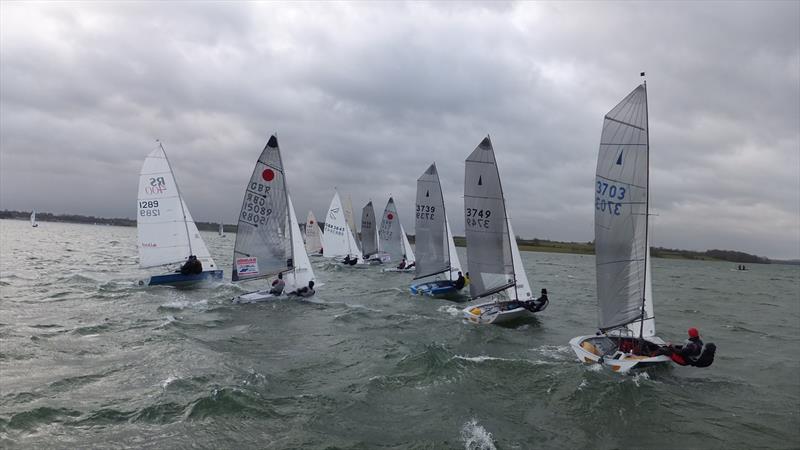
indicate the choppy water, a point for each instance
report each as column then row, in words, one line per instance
column 88, row 359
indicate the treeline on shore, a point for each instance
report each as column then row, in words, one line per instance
column 535, row 245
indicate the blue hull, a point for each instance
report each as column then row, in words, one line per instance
column 176, row 279
column 438, row 288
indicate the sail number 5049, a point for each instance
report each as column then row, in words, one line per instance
column 477, row 217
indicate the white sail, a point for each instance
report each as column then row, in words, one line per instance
column 621, row 209
column 33, row 218
column 167, row 233
column 313, row 235
column 349, row 216
column 407, row 250
column 522, row 289
column 221, row 229
column 488, row 245
column 339, row 241
column 263, row 245
column 302, row 272
column 455, row 263
column 389, row 234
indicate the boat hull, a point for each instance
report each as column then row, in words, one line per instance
column 255, row 297
column 396, row 270
column 180, row 280
column 592, row 349
column 438, row 289
column 495, row 312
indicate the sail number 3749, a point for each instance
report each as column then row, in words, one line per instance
column 607, row 196
column 477, row 217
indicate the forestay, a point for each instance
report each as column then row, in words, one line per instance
column 263, row 241
column 433, row 252
column 167, row 233
column 389, row 234
column 621, row 207
column 369, row 233
column 313, row 234
column 488, row 246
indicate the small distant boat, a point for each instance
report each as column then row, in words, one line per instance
column 338, row 239
column 34, row 224
column 268, row 240
column 369, row 236
column 167, row 234
column 347, row 205
column 627, row 338
column 221, row 229
column 393, row 241
column 313, row 236
column 437, row 259
column 492, row 254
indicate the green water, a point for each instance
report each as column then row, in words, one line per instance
column 88, row 359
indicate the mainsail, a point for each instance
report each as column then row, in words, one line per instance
column 302, row 273
column 488, row 244
column 389, row 234
column 263, row 241
column 433, row 250
column 313, row 234
column 369, row 233
column 349, row 216
column 339, row 241
column 620, row 220
column 167, row 233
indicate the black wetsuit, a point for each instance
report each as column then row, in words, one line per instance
column 460, row 282
column 192, row 267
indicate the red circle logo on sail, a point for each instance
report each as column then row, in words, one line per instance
column 268, row 175
column 390, row 216
column 310, row 221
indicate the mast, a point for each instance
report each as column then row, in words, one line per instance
column 180, row 199
column 646, row 214
column 286, row 194
column 505, row 216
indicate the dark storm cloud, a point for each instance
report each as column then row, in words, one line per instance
column 365, row 96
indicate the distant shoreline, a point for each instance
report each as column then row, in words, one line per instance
column 529, row 245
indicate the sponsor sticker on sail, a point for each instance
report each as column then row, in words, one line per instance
column 247, row 266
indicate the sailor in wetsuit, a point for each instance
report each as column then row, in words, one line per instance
column 277, row 285
column 538, row 304
column 305, row 291
column 460, row 282
column 691, row 349
column 192, row 266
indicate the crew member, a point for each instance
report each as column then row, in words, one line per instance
column 277, row 285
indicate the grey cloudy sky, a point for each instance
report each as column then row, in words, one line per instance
column 364, row 96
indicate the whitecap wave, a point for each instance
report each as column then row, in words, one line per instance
column 450, row 309
column 475, row 437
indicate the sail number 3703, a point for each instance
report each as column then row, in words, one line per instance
column 608, row 197
column 477, row 217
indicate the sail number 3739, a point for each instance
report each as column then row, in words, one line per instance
column 608, row 197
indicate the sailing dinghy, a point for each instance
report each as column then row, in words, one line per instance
column 268, row 240
column 339, row 241
column 393, row 241
column 34, row 224
column 437, row 260
column 369, row 236
column 221, row 229
column 313, row 236
column 167, row 234
column 627, row 337
column 493, row 257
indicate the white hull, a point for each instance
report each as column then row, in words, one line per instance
column 494, row 312
column 589, row 350
column 255, row 297
column 396, row 270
